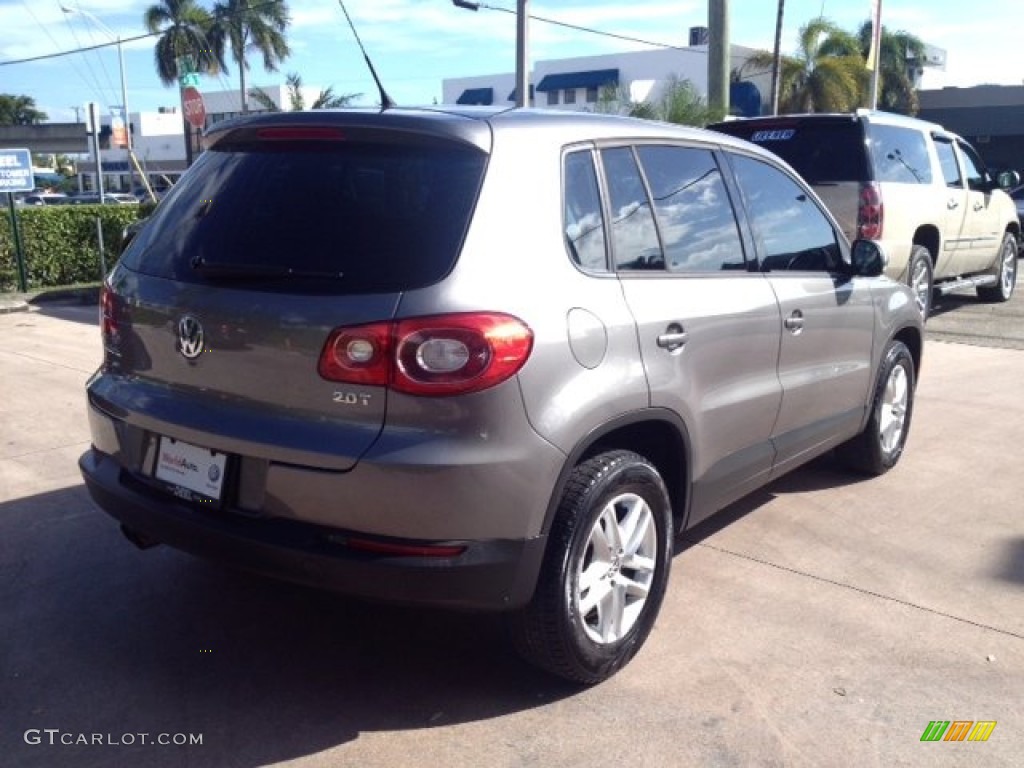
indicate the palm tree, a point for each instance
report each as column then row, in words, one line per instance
column 243, row 25
column 326, row 99
column 19, row 110
column 184, row 29
column 680, row 102
column 826, row 75
column 899, row 52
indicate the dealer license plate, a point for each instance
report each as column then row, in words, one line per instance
column 189, row 469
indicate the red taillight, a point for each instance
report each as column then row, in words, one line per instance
column 108, row 314
column 358, row 355
column 869, row 212
column 435, row 355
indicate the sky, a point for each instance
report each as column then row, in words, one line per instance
column 415, row 44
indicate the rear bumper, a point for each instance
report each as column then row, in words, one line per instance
column 490, row 575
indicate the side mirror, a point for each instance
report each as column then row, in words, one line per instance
column 867, row 259
column 1008, row 179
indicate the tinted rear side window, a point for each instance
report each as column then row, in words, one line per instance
column 634, row 236
column 584, row 222
column 901, row 155
column 377, row 217
column 698, row 227
column 819, row 150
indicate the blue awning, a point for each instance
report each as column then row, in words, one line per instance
column 512, row 96
column 595, row 78
column 476, row 96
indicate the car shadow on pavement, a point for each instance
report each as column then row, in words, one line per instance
column 951, row 302
column 75, row 311
column 99, row 637
column 820, row 474
column 1011, row 566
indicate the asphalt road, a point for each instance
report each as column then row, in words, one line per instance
column 961, row 318
column 824, row 621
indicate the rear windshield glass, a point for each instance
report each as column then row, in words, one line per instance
column 820, row 151
column 343, row 217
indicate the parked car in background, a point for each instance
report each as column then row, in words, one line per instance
column 1017, row 194
column 109, row 198
column 44, row 198
column 922, row 192
column 484, row 359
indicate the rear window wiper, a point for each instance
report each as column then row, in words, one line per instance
column 256, row 271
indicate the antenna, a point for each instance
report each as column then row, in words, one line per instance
column 385, row 100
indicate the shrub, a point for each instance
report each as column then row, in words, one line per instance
column 60, row 243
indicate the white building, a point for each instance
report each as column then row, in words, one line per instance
column 577, row 83
column 159, row 138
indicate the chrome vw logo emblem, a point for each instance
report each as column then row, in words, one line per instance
column 190, row 337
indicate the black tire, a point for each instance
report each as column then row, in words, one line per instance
column 921, row 279
column 1005, row 271
column 877, row 449
column 556, row 630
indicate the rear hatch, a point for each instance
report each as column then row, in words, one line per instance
column 828, row 151
column 282, row 231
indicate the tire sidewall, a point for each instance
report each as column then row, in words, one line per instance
column 1005, row 265
column 919, row 253
column 632, row 475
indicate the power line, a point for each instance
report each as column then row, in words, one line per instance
column 591, row 30
column 544, row 19
column 131, row 39
column 73, row 51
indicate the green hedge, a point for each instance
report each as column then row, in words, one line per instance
column 60, row 243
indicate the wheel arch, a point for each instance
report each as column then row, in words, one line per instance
column 929, row 236
column 1013, row 228
column 658, row 435
column 911, row 337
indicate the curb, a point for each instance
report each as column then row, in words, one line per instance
column 10, row 306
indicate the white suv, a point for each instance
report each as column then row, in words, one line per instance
column 921, row 191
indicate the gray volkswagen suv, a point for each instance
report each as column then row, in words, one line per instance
column 481, row 359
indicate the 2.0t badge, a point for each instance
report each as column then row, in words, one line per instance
column 190, row 337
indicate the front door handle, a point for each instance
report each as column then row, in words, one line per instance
column 978, row 206
column 952, row 204
column 673, row 338
column 795, row 322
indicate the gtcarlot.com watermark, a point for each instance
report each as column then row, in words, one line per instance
column 56, row 737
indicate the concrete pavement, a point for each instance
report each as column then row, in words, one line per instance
column 824, row 621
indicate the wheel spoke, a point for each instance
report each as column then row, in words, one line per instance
column 631, row 587
column 608, row 527
column 593, row 597
column 611, row 610
column 636, row 526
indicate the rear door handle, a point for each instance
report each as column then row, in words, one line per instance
column 795, row 322
column 978, row 206
column 673, row 338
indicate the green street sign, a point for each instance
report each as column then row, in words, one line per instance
column 188, row 80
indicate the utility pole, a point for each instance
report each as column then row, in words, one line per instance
column 777, row 59
column 523, row 53
column 875, row 55
column 93, row 123
column 718, row 55
column 124, row 88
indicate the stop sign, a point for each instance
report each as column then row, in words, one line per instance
column 195, row 110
